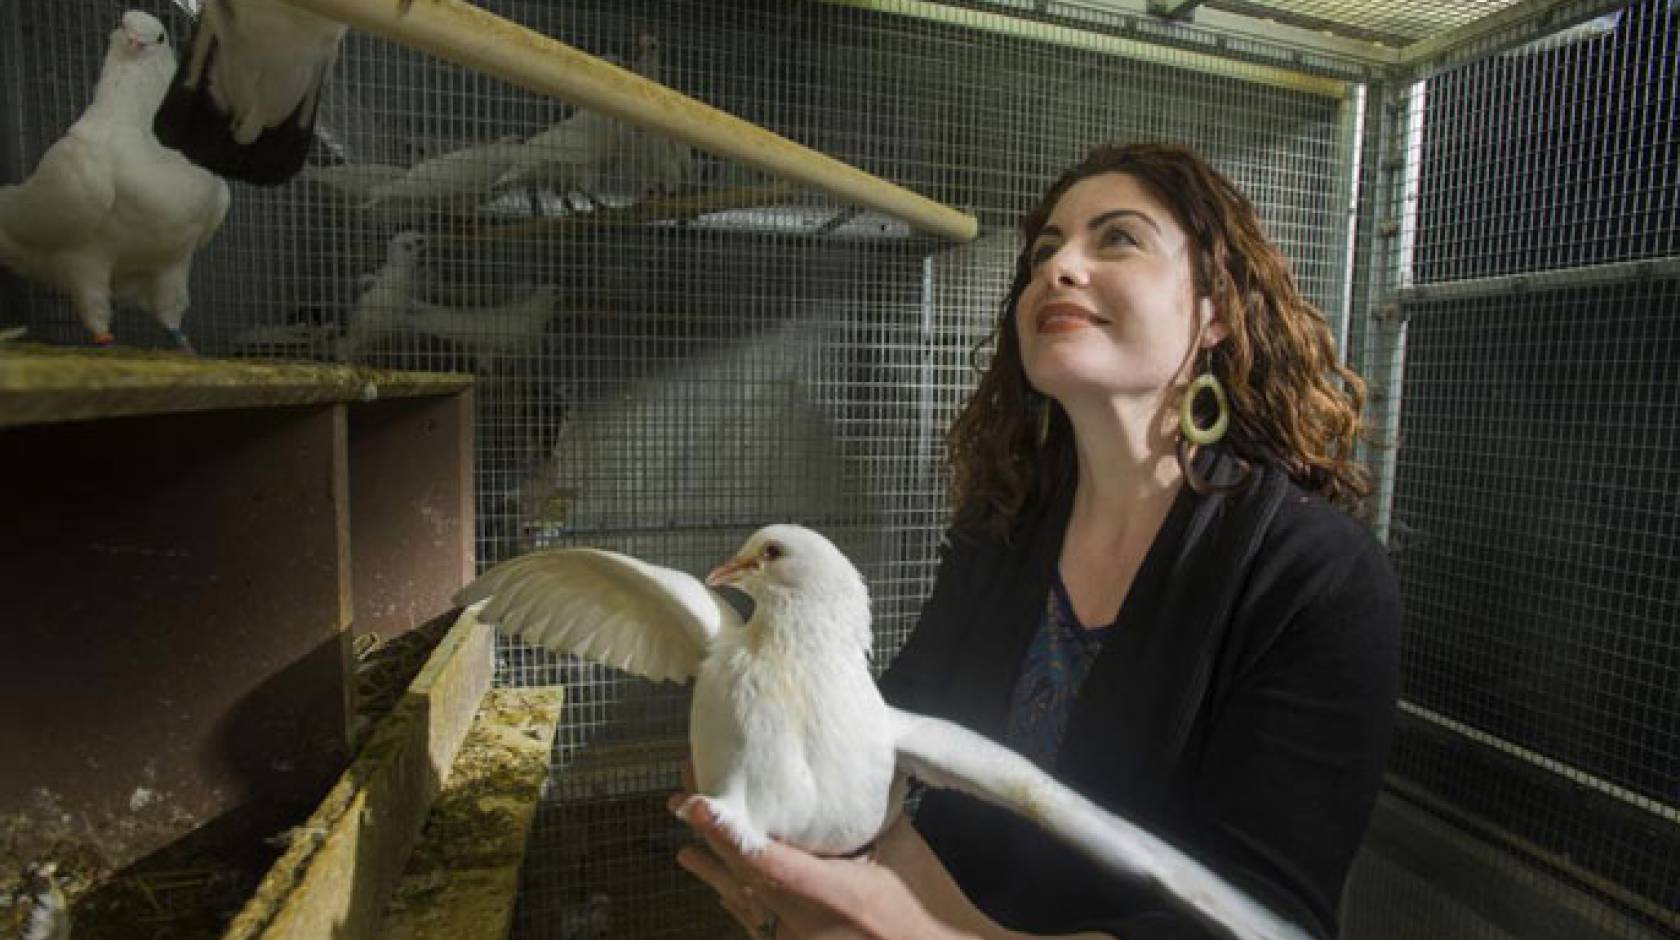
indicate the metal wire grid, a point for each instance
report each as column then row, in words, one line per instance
column 1536, row 529
column 1555, row 154
column 983, row 111
column 1569, row 835
column 1422, row 877
column 1127, row 24
column 390, row 106
column 1518, row 324
column 1395, row 23
column 680, row 357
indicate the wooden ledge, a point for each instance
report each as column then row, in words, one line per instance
column 345, row 861
column 49, row 384
column 463, row 877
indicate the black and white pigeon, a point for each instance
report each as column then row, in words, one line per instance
column 245, row 97
column 789, row 736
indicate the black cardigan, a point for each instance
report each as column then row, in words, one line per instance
column 1242, row 710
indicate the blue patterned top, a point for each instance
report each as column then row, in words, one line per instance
column 1054, row 669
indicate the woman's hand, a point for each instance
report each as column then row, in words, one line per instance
column 898, row 890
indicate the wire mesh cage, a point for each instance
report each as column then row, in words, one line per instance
column 673, row 349
column 1525, row 244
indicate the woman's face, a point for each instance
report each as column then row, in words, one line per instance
column 1111, row 309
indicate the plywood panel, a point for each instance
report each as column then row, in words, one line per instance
column 411, row 509
column 336, row 877
column 172, row 603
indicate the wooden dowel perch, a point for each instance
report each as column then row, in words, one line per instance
column 468, row 36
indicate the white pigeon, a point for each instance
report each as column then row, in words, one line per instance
column 490, row 333
column 455, row 181
column 244, row 102
column 353, row 182
column 49, row 914
column 654, row 162
column 571, row 157
column 589, row 154
column 109, row 213
column 577, row 155
column 790, row 738
column 382, row 309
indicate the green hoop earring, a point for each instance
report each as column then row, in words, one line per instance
column 1214, row 432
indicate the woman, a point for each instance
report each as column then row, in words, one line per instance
column 1167, row 608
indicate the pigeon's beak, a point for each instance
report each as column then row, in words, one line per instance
column 732, row 571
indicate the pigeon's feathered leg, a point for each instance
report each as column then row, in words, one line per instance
column 168, row 302
column 168, row 297
column 732, row 818
column 89, row 286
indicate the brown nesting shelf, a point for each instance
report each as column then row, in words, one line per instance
column 191, row 547
column 465, row 760
column 50, row 384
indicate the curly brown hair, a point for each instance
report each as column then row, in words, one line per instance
column 1293, row 404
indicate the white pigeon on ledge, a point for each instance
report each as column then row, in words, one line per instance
column 109, row 213
column 790, row 738
column 456, row 181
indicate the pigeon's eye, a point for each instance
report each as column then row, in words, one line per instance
column 772, row 551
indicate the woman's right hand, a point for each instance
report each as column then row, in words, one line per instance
column 898, row 890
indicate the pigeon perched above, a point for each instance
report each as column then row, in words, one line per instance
column 790, row 738
column 571, row 157
column 455, row 181
column 109, row 213
column 243, row 103
column 588, row 151
column 354, row 183
column 656, row 163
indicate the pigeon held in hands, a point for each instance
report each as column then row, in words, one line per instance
column 790, row 738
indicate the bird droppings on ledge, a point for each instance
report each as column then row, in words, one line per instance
column 384, row 668
column 186, row 891
column 180, row 894
column 462, row 877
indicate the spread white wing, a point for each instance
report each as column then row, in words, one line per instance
column 947, row 755
column 646, row 620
